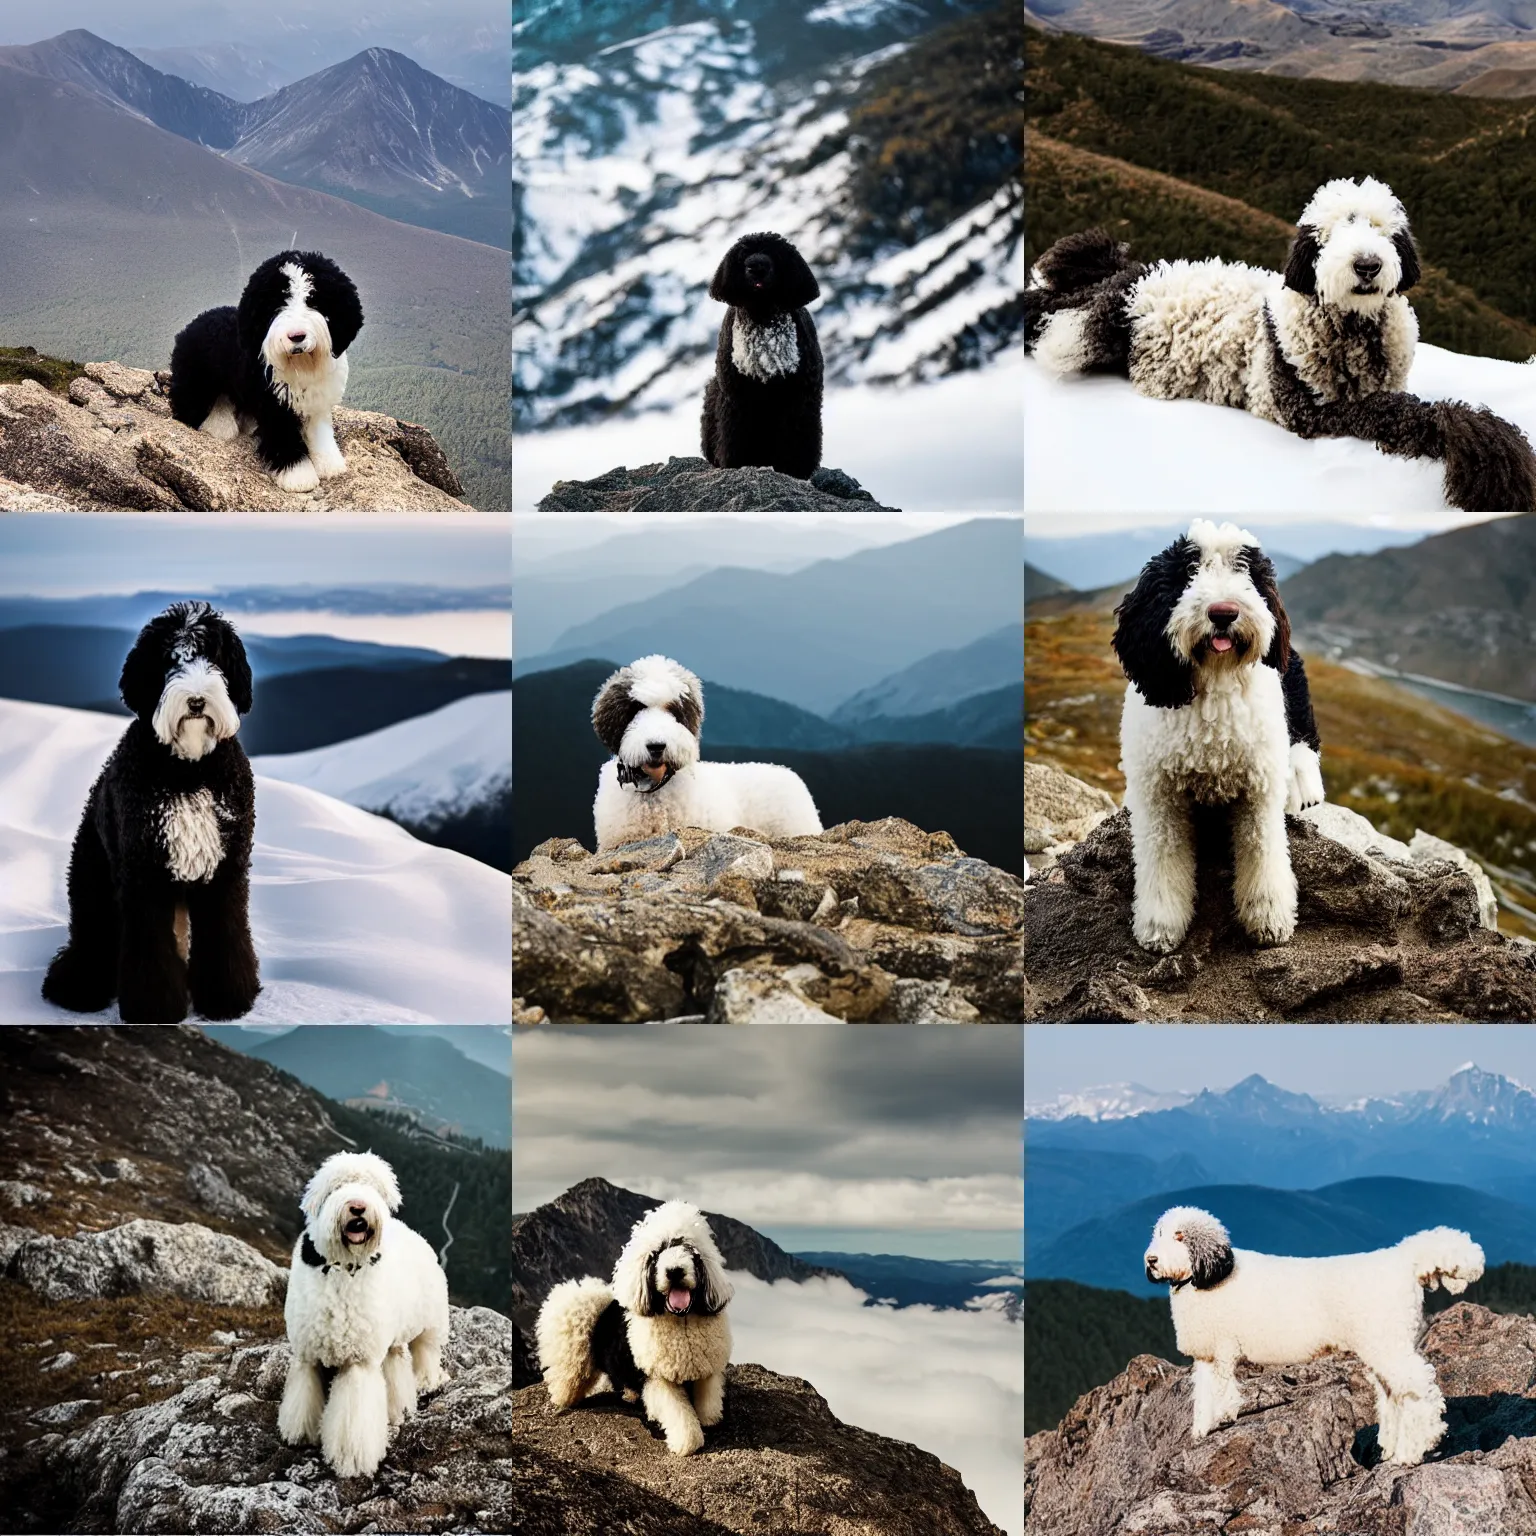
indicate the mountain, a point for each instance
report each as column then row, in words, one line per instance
column 815, row 636
column 994, row 719
column 114, row 233
column 1113, row 1101
column 1459, row 606
column 445, row 776
column 422, row 1077
column 354, row 920
column 1349, row 1217
column 231, row 69
column 904, row 1281
column 881, row 138
column 382, row 131
column 941, row 680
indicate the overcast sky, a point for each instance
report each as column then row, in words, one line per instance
column 1325, row 1060
column 1354, row 528
column 908, row 1136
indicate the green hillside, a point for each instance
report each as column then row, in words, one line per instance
column 1191, row 162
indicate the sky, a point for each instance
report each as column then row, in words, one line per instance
column 1341, row 1061
column 895, row 1140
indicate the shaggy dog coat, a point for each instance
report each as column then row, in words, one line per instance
column 657, row 1334
column 367, row 1307
column 1230, row 1305
column 159, row 875
column 763, row 405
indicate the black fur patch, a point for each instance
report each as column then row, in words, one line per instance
column 1261, row 570
column 1082, row 261
column 1408, row 255
column 613, row 709
column 1301, row 262
column 1159, row 675
column 1298, row 704
column 688, row 712
column 310, row 1254
column 611, row 1353
column 1106, row 324
column 1210, row 1264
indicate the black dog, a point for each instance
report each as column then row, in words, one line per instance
column 763, row 405
column 164, row 846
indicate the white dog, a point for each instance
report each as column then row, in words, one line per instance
column 368, row 1300
column 657, row 1329
column 649, row 715
column 1230, row 1305
column 1218, row 713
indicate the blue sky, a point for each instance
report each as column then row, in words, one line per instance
column 1325, row 1060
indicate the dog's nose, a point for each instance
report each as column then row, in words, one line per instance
column 304, row 335
column 195, row 704
column 655, row 748
column 357, row 1210
column 1366, row 267
column 674, row 1277
column 1222, row 614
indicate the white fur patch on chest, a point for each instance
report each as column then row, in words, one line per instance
column 313, row 389
column 764, row 351
column 189, row 825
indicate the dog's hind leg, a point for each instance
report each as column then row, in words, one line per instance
column 1264, row 883
column 354, row 1429
column 667, row 1406
column 299, row 1413
column 709, row 1399
column 399, row 1384
column 83, row 975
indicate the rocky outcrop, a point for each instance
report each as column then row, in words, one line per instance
column 1302, row 1459
column 1387, row 932
column 694, row 485
column 1058, row 812
column 150, row 1258
column 208, row 1458
column 111, row 445
column 778, row 1461
column 869, row 921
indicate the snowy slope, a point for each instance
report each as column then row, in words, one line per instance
column 1092, row 444
column 421, row 770
column 355, row 921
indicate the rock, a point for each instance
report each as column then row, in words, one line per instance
column 766, row 997
column 914, row 1001
column 1426, row 847
column 1301, row 1460
column 1058, row 812
column 155, row 1258
column 211, row 1190
column 1380, row 937
column 112, row 445
column 778, row 1460
column 692, row 485
column 12, row 1238
column 208, row 1459
column 637, row 934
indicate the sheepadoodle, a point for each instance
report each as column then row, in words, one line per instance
column 1217, row 713
column 1230, row 1305
column 367, row 1315
column 276, row 363
column 159, row 875
column 763, row 406
column 1322, row 349
column 649, row 715
column 657, row 1330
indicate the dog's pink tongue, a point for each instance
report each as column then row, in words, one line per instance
column 1221, row 643
column 678, row 1299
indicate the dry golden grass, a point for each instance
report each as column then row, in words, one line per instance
column 1399, row 760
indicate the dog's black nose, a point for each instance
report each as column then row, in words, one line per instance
column 674, row 1278
column 1366, row 267
column 656, row 748
column 759, row 268
column 1222, row 614
column 195, row 704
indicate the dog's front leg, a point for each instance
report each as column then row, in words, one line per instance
column 222, row 970
column 354, row 1429
column 709, row 1399
column 1264, row 885
column 1202, row 1379
column 1163, row 843
column 151, row 975
column 667, row 1406
column 298, row 1415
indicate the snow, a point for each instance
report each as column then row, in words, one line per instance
column 354, row 919
column 432, row 766
column 1093, row 442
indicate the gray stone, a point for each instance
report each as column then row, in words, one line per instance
column 765, row 997
column 693, row 485
column 208, row 1186
column 1425, row 847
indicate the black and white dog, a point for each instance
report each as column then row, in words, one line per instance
column 160, row 870
column 1217, row 713
column 278, row 361
column 763, row 406
column 1322, row 349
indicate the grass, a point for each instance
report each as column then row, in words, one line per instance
column 53, row 373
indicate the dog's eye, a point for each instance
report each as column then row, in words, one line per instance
column 1178, row 1237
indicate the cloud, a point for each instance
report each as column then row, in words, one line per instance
column 950, row 1382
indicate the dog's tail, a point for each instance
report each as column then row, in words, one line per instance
column 1075, row 318
column 1443, row 1256
column 563, row 1336
column 1080, row 261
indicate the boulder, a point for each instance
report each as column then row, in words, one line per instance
column 779, row 1460
column 155, row 1258
column 1058, row 812
column 867, row 921
column 693, row 485
column 1302, row 1458
column 112, row 445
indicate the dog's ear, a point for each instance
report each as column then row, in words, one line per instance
column 714, row 1291
column 798, row 281
column 613, row 709
column 721, row 284
column 335, row 296
column 228, row 655
column 259, row 302
column 1301, row 264
column 142, row 680
column 1261, row 571
column 1210, row 1257
column 1408, row 255
column 1157, row 672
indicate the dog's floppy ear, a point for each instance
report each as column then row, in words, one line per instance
column 1408, row 255
column 715, row 1291
column 228, row 655
column 1261, row 571
column 719, row 283
column 260, row 300
column 1210, row 1256
column 1157, row 672
column 143, row 676
column 1301, row 264
column 334, row 294
column 613, row 709
column 798, row 281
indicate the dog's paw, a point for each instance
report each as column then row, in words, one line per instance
column 221, row 423
column 685, row 1439
column 1161, row 935
column 710, row 1414
column 298, row 477
column 1268, row 922
column 329, row 463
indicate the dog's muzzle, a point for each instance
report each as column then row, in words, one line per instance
column 644, row 781
column 357, row 1230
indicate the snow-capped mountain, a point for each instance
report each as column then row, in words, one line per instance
column 643, row 151
column 355, row 921
column 1111, row 1101
column 422, row 771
